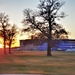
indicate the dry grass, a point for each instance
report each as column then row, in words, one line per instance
column 37, row 62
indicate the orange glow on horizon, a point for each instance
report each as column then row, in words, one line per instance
column 16, row 43
column 1, row 46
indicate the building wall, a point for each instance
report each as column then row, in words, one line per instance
column 33, row 44
column 42, row 45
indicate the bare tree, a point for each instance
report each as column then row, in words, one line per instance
column 45, row 19
column 59, row 33
column 7, row 31
column 39, row 36
column 11, row 36
column 3, row 28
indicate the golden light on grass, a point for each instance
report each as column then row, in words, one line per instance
column 36, row 62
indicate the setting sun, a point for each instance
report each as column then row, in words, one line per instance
column 1, row 46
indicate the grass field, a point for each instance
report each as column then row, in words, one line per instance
column 37, row 62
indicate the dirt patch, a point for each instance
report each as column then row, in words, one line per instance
column 35, row 60
column 36, row 72
column 58, row 64
column 5, row 61
column 30, row 53
column 18, row 61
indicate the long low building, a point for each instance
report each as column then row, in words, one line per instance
column 36, row 44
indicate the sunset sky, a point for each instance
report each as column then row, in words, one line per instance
column 14, row 8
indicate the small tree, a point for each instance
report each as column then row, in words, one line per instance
column 11, row 35
column 7, row 31
column 45, row 19
column 3, row 28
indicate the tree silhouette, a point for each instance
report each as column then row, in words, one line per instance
column 11, row 35
column 3, row 28
column 7, row 31
column 45, row 19
column 59, row 33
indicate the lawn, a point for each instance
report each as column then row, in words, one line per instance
column 36, row 62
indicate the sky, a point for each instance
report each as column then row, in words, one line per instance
column 14, row 8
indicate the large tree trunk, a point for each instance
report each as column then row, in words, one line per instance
column 4, row 45
column 49, row 39
column 9, row 47
column 49, row 48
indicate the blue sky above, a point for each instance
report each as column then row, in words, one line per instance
column 14, row 8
